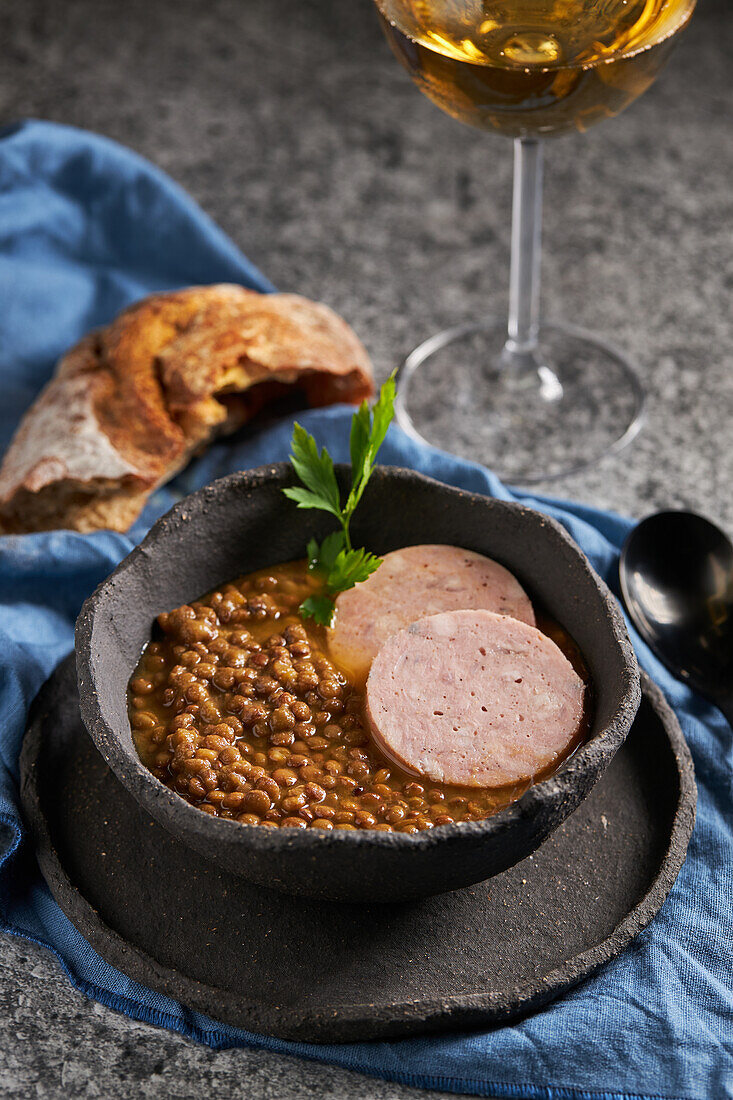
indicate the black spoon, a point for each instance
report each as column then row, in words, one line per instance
column 677, row 582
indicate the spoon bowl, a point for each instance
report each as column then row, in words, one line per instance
column 676, row 573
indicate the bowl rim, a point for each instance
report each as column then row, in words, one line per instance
column 175, row 812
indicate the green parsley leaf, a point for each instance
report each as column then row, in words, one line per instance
column 321, row 558
column 313, row 551
column 304, row 498
column 316, row 472
column 361, row 426
column 367, row 436
column 329, row 551
column 340, row 568
column 320, row 608
column 335, row 560
column 350, row 567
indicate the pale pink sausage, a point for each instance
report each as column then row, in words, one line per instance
column 414, row 582
column 474, row 699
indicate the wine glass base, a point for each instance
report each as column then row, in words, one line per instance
column 528, row 415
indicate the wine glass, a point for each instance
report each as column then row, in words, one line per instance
column 531, row 399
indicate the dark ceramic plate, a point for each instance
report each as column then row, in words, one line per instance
column 244, row 522
column 315, row 971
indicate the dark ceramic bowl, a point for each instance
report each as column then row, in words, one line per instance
column 244, row 522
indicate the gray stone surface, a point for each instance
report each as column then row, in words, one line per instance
column 294, row 127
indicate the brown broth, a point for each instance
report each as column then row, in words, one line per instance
column 237, row 706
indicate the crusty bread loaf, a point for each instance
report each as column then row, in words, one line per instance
column 131, row 403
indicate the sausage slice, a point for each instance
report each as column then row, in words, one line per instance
column 474, row 699
column 414, row 582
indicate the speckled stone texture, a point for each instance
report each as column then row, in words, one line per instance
column 292, row 124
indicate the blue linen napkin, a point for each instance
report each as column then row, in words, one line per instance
column 86, row 227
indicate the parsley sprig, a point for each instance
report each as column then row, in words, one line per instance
column 335, row 560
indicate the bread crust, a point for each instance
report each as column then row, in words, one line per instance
column 131, row 403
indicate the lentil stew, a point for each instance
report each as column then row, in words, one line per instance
column 236, row 705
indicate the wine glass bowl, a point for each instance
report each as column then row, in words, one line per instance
column 533, row 67
column 532, row 400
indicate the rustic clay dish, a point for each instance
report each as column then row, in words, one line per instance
column 315, row 971
column 242, row 523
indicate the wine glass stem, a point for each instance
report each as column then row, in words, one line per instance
column 524, row 284
column 521, row 357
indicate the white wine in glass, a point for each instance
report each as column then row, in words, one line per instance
column 527, row 69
